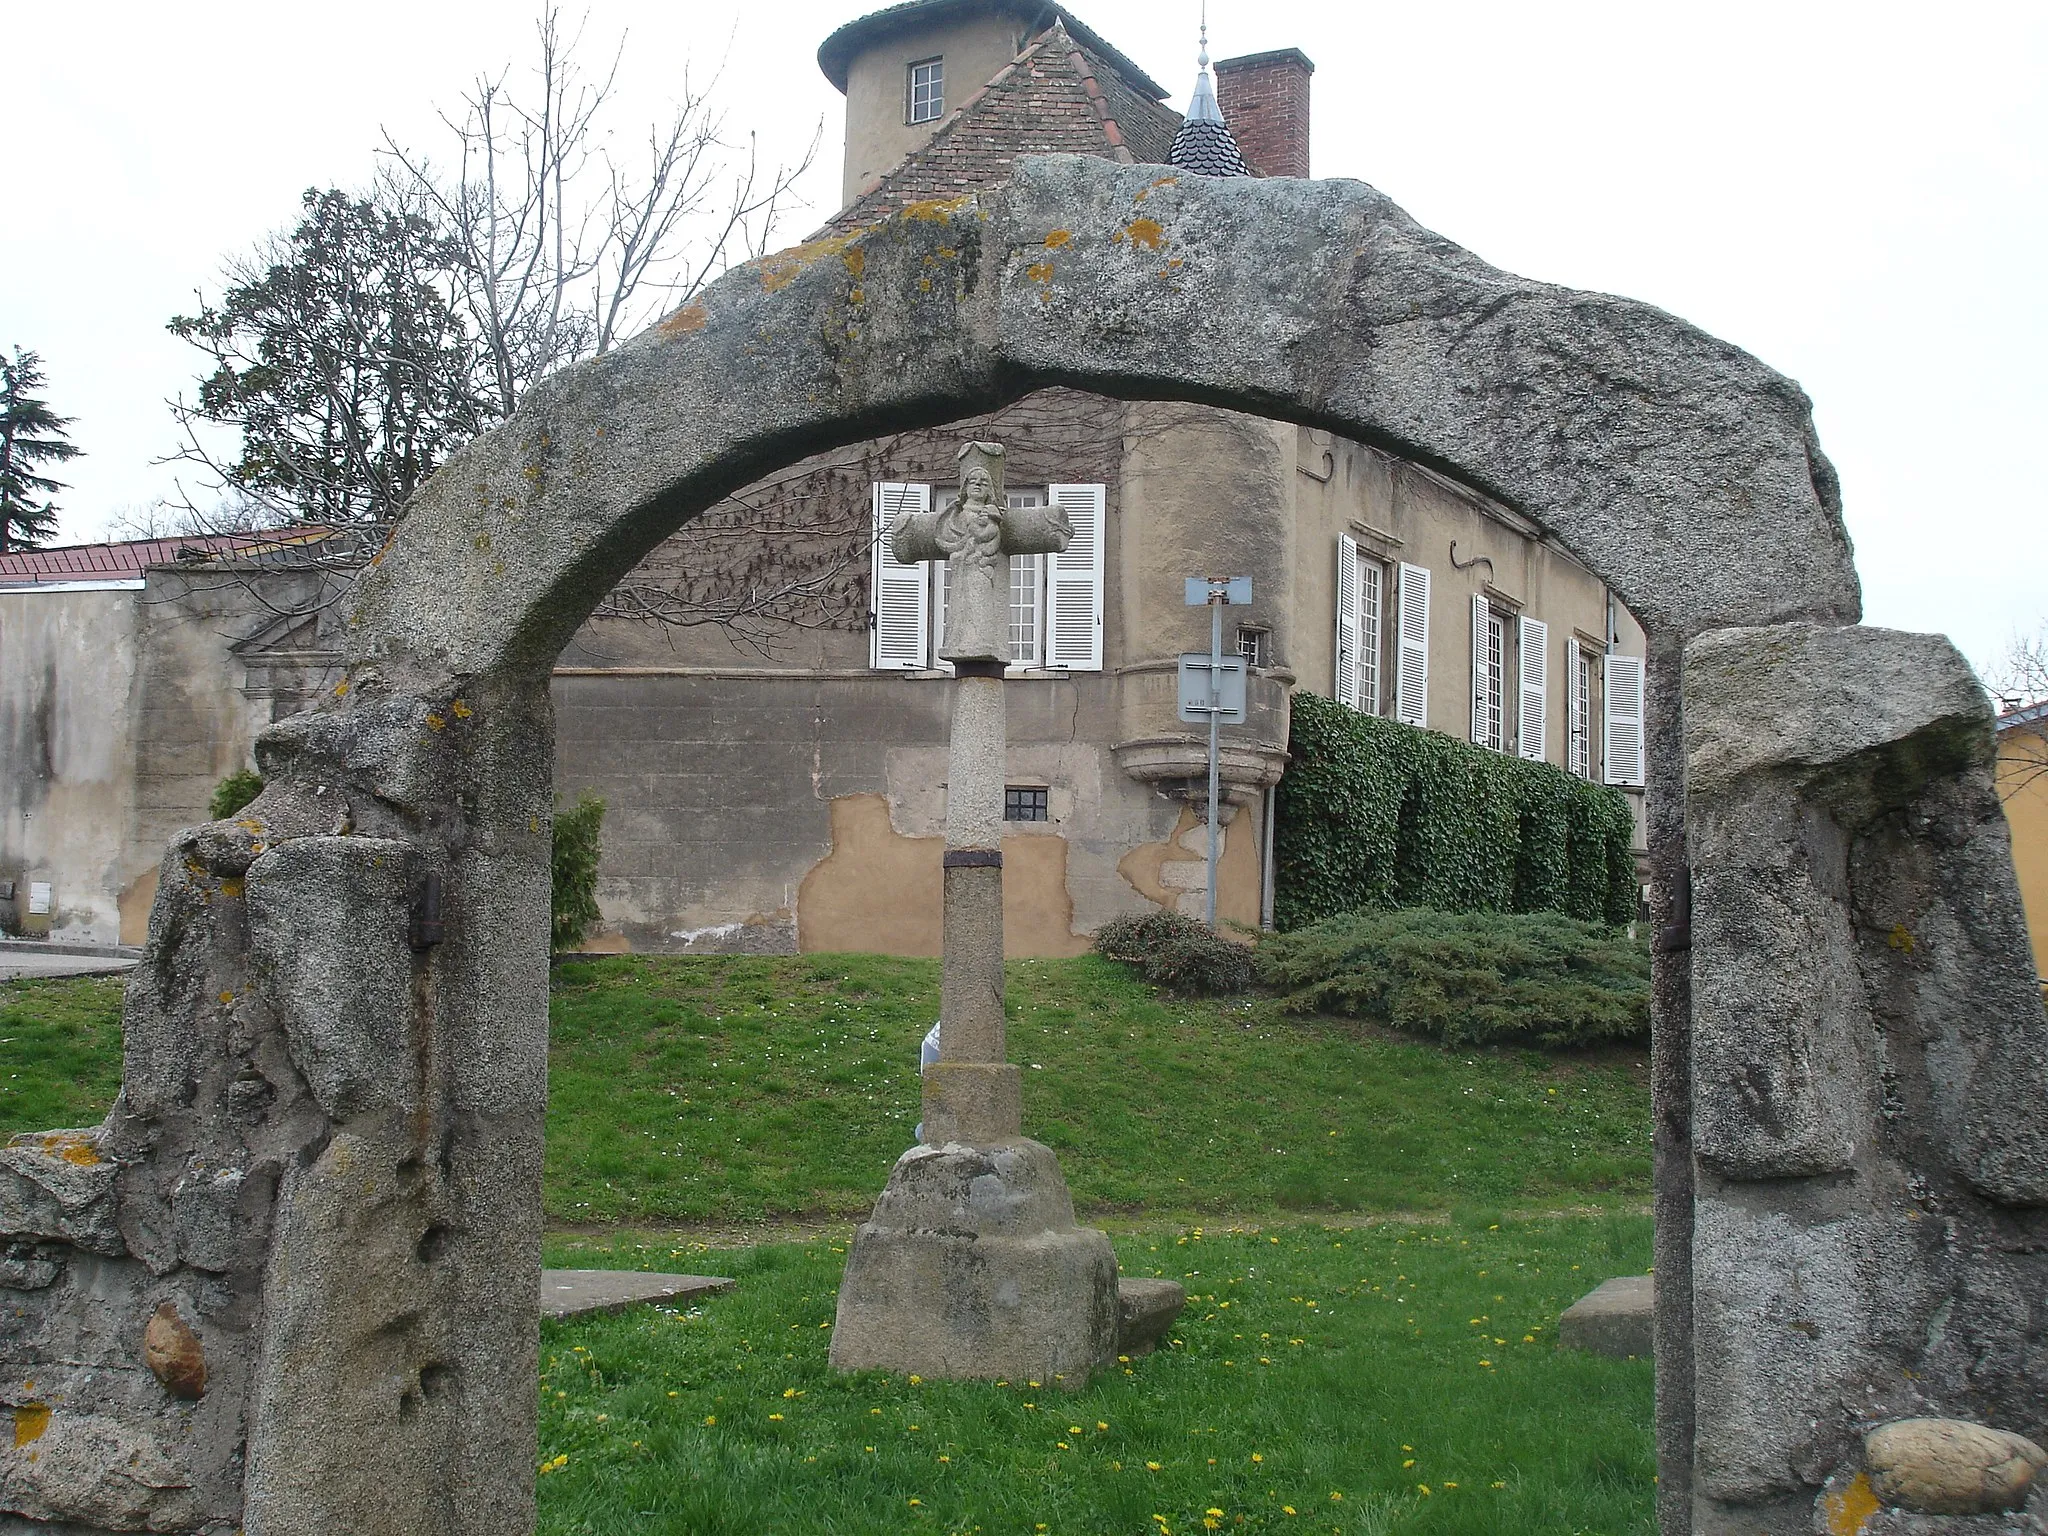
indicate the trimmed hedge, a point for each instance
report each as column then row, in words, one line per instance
column 1470, row 978
column 1176, row 953
column 576, row 852
column 1373, row 813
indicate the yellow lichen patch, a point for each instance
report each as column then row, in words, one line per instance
column 1058, row 238
column 781, row 269
column 231, row 888
column 924, row 285
column 341, row 689
column 857, row 296
column 1900, row 939
column 1145, row 232
column 1039, row 271
column 226, row 998
column 195, row 869
column 855, row 258
column 690, row 317
column 30, row 1420
column 436, row 723
column 250, row 824
column 482, row 542
column 934, row 210
column 1846, row 1509
column 73, row 1147
column 460, row 710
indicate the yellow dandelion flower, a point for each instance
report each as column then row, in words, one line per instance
column 1408, row 1463
column 1256, row 1457
column 1423, row 1488
column 1336, row 1497
column 1286, row 1509
column 1151, row 1466
column 916, row 1381
column 1450, row 1485
column 915, row 1502
column 1100, row 1425
column 710, row 1418
column 774, row 1418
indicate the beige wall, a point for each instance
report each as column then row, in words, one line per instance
column 878, row 134
column 2023, row 785
column 1402, row 512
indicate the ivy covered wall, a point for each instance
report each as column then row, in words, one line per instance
column 1373, row 813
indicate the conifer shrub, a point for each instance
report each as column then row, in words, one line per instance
column 576, row 853
column 1374, row 813
column 1467, row 978
column 1176, row 953
column 233, row 792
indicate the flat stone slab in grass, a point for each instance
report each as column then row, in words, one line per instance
column 1145, row 1310
column 1615, row 1319
column 579, row 1292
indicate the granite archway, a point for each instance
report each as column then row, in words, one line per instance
column 323, row 1175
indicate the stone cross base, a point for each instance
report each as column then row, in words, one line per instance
column 972, row 1267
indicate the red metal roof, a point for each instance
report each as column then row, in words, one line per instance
column 128, row 560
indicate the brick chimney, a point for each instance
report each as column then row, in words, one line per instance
column 1264, row 97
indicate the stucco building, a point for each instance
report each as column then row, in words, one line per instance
column 761, row 704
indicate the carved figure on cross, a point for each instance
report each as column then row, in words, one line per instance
column 975, row 536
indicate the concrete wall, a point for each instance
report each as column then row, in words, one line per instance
column 878, row 132
column 68, row 726
column 120, row 710
column 2023, row 788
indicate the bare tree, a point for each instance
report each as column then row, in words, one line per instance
column 565, row 250
column 2019, row 684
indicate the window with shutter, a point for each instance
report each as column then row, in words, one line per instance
column 1345, row 686
column 1489, row 665
column 900, row 593
column 1411, row 664
column 1371, row 581
column 1532, row 653
column 1621, row 687
column 1579, row 711
column 1073, row 586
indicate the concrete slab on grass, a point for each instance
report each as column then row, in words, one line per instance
column 579, row 1292
column 1615, row 1319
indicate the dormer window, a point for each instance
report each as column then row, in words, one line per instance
column 927, row 90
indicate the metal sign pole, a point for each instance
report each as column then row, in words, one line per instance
column 1216, row 601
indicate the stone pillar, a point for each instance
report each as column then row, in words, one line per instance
column 972, row 1093
column 1869, row 1096
column 972, row 1265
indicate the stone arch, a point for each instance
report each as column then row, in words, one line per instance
column 343, row 1008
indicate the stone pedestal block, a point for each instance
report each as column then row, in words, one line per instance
column 972, row 1268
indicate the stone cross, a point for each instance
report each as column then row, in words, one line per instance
column 971, row 1094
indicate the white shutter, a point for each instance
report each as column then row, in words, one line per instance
column 1411, row 666
column 1621, row 688
column 1345, row 690
column 1482, row 677
column 1578, row 739
column 1073, row 585
column 900, row 593
column 1532, row 651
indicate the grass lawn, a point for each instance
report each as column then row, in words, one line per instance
column 1370, row 1343
column 686, row 1089
column 1397, row 1376
column 60, row 1052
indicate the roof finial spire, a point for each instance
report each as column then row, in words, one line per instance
column 1203, row 144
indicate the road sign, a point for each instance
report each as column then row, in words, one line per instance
column 1232, row 591
column 1195, row 706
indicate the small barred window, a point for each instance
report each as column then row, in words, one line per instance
column 1023, row 802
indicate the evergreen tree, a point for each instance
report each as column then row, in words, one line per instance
column 30, row 434
column 339, row 360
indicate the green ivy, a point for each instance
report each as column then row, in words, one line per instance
column 1373, row 813
column 576, row 855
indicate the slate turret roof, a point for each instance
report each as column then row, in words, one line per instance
column 1204, row 144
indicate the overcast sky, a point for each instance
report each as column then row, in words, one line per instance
column 1855, row 192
